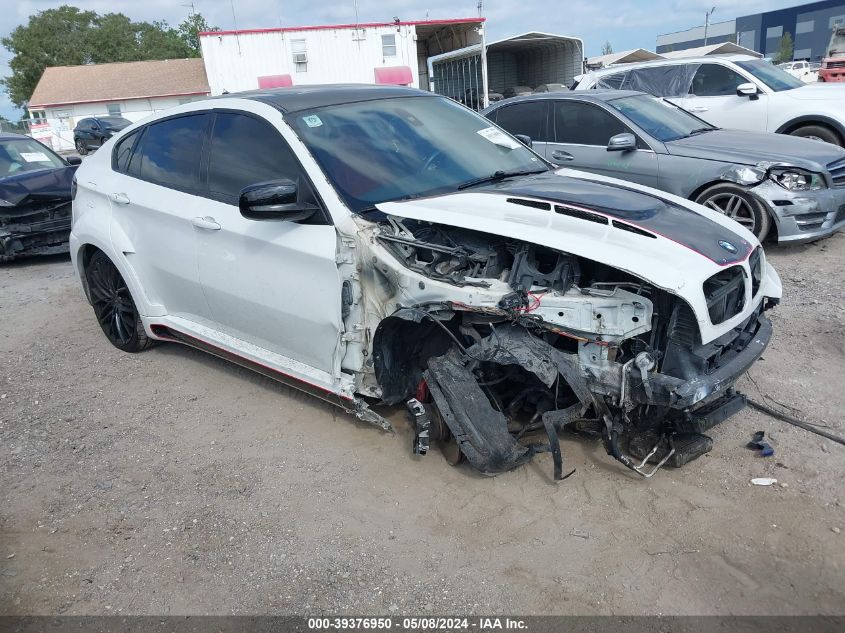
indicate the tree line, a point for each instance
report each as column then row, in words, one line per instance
column 66, row 36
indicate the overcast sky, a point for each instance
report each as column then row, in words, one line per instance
column 625, row 24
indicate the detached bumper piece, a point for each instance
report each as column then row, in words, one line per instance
column 36, row 229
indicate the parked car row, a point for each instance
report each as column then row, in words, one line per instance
column 792, row 186
column 384, row 244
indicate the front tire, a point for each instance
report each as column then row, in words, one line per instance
column 736, row 203
column 81, row 149
column 114, row 307
column 817, row 133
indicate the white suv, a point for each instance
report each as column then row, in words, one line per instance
column 384, row 244
column 736, row 92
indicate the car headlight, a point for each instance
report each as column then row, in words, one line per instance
column 794, row 179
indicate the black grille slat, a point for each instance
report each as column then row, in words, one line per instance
column 581, row 215
column 725, row 294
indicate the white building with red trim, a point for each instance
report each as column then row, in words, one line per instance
column 383, row 52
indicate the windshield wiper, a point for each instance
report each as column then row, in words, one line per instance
column 700, row 130
column 496, row 176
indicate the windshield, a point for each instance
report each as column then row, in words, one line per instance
column 775, row 78
column 395, row 149
column 115, row 121
column 21, row 155
column 662, row 120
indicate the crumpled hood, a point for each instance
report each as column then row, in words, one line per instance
column 820, row 91
column 42, row 185
column 657, row 237
column 750, row 148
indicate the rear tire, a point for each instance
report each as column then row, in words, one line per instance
column 818, row 133
column 736, row 203
column 114, row 307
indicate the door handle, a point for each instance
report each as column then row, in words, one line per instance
column 119, row 198
column 698, row 109
column 561, row 155
column 208, row 223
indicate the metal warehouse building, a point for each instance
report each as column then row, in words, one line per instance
column 450, row 57
column 810, row 26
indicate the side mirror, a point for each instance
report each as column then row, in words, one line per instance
column 622, row 142
column 524, row 139
column 274, row 200
column 73, row 160
column 747, row 90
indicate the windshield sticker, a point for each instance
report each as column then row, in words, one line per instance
column 498, row 137
column 312, row 120
column 35, row 157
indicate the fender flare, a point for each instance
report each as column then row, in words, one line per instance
column 811, row 119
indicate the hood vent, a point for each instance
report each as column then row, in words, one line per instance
column 581, row 215
column 633, row 229
column 534, row 204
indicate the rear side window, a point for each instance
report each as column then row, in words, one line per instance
column 526, row 118
column 714, row 80
column 169, row 153
column 123, row 152
column 613, row 82
column 580, row 123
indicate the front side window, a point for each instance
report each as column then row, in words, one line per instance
column 388, row 45
column 22, row 155
column 245, row 151
column 715, row 80
column 579, row 123
column 775, row 78
column 300, row 55
column 169, row 152
column 526, row 118
column 397, row 149
column 659, row 119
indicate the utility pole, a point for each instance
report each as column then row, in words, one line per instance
column 707, row 23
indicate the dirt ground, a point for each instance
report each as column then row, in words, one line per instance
column 171, row 482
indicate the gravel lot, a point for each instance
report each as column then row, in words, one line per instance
column 171, row 482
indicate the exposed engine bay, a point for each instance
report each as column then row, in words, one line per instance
column 571, row 344
column 34, row 227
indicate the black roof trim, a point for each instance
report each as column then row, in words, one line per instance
column 298, row 98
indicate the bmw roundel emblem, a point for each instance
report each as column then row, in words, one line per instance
column 728, row 246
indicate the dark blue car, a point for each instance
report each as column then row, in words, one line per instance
column 35, row 196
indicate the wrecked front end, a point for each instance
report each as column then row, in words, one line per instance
column 35, row 214
column 498, row 344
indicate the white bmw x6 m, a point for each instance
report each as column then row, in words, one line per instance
column 386, row 245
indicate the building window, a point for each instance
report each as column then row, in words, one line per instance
column 836, row 20
column 803, row 53
column 300, row 55
column 114, row 109
column 773, row 32
column 746, row 38
column 184, row 101
column 805, row 27
column 388, row 45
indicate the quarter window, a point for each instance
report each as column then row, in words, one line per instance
column 123, row 151
column 388, row 46
column 580, row 123
column 524, row 118
column 245, row 151
column 714, row 80
column 169, row 153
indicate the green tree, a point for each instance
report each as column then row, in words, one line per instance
column 607, row 49
column 66, row 36
column 190, row 29
column 787, row 50
column 54, row 37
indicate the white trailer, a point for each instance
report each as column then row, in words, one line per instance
column 531, row 60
